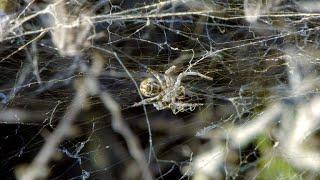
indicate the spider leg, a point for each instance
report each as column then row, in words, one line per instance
column 169, row 80
column 156, row 75
column 184, row 74
column 170, row 70
column 188, row 104
column 181, row 107
column 168, row 77
column 147, row 101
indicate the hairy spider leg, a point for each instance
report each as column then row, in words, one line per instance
column 184, row 74
column 170, row 70
column 147, row 101
column 168, row 76
column 180, row 107
column 178, row 83
column 157, row 76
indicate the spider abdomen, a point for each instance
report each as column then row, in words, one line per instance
column 150, row 87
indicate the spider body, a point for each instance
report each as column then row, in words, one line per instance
column 150, row 87
column 166, row 92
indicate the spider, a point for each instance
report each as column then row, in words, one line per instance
column 166, row 92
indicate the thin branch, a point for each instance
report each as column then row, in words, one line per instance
column 38, row 168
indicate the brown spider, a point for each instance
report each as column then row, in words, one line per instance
column 166, row 92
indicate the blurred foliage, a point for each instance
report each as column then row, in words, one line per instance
column 271, row 166
column 3, row 4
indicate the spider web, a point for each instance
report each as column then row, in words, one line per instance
column 81, row 62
